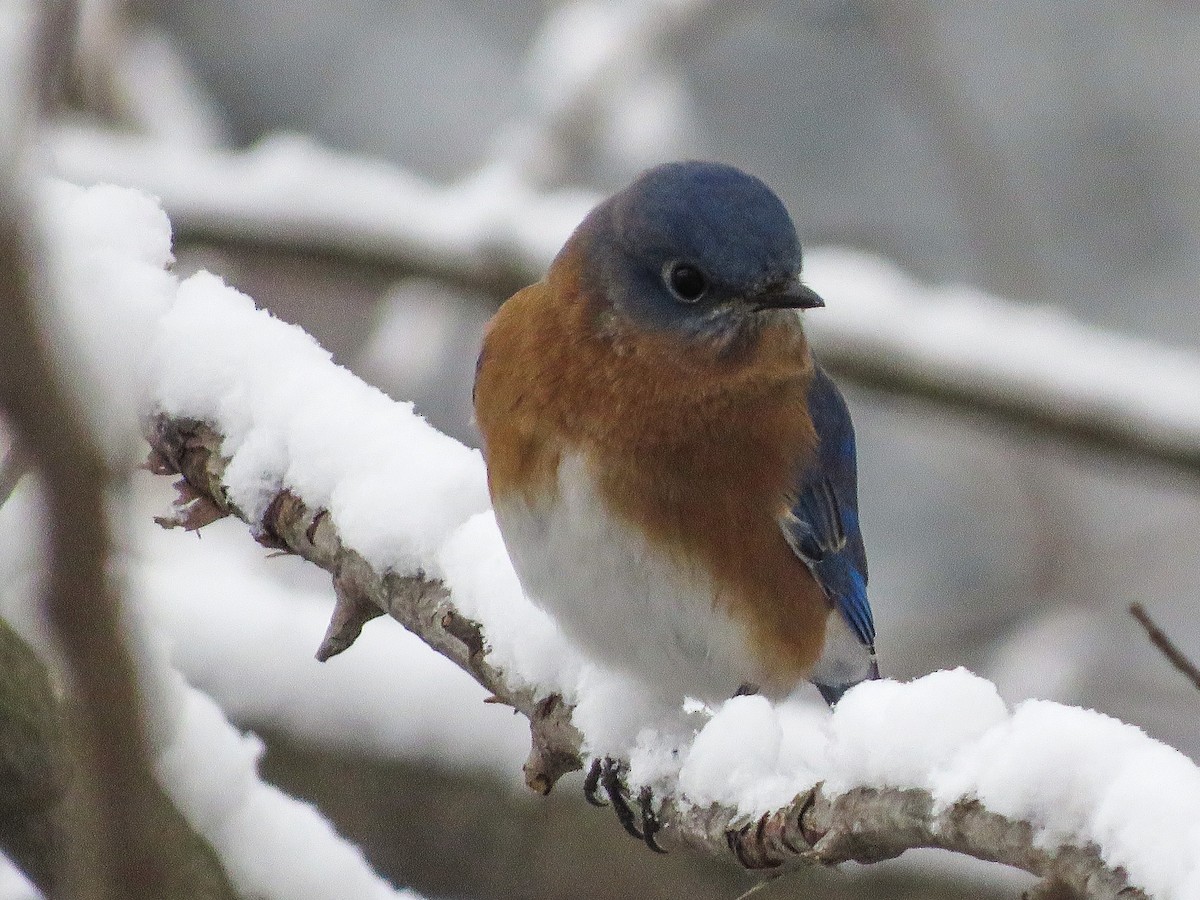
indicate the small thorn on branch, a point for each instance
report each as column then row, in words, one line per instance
column 350, row 613
column 310, row 533
column 1160, row 640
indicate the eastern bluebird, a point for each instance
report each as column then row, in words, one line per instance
column 673, row 475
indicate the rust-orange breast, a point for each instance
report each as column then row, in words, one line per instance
column 694, row 447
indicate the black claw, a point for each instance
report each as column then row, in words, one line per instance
column 650, row 823
column 605, row 773
column 610, row 777
column 591, row 784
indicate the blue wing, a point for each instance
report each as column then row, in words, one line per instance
column 822, row 524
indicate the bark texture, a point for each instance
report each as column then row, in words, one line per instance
column 865, row 824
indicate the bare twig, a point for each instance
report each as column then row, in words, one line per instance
column 129, row 72
column 77, row 595
column 817, row 828
column 57, row 29
column 1160, row 640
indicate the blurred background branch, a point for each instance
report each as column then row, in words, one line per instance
column 12, row 470
column 35, row 772
column 116, row 835
column 493, row 236
column 1166, row 646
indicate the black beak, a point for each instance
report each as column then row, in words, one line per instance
column 792, row 295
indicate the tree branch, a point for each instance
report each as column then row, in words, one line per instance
column 1050, row 376
column 1159, row 638
column 818, row 827
column 487, row 233
column 1032, row 412
column 422, row 605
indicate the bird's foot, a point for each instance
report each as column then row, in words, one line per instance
column 607, row 773
column 591, row 782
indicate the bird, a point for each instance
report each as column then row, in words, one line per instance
column 673, row 475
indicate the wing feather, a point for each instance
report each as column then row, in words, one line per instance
column 821, row 524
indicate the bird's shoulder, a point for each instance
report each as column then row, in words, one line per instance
column 520, row 441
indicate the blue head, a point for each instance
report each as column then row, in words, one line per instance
column 697, row 248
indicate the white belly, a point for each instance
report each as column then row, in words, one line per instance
column 624, row 603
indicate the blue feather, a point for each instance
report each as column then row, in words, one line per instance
column 822, row 523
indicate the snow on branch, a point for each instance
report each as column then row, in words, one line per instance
column 490, row 231
column 422, row 604
column 177, row 807
column 1034, row 368
column 263, row 426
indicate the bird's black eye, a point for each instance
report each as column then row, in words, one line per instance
column 686, row 282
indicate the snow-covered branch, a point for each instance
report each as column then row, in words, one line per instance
column 819, row 826
column 158, row 784
column 264, row 426
column 1033, row 368
column 422, row 604
column 490, row 231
